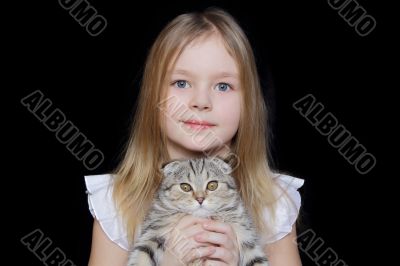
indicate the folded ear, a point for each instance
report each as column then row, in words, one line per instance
column 169, row 167
column 227, row 164
column 165, row 164
column 232, row 160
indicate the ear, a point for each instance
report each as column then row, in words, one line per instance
column 165, row 164
column 227, row 164
column 169, row 167
column 232, row 160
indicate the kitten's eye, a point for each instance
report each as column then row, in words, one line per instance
column 186, row 187
column 212, row 185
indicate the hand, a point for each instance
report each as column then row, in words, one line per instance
column 181, row 247
column 224, row 237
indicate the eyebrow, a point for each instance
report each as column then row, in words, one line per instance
column 221, row 74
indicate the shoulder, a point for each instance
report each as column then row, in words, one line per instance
column 288, row 203
column 287, row 190
column 102, row 207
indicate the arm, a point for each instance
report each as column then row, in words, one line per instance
column 105, row 252
column 284, row 252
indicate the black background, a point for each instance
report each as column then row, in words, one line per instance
column 301, row 47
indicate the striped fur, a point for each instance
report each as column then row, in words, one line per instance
column 172, row 203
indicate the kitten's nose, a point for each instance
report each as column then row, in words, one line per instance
column 200, row 199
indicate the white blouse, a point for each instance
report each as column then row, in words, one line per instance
column 102, row 208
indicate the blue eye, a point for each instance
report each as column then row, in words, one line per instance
column 182, row 84
column 223, row 86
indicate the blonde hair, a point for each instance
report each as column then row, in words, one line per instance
column 137, row 177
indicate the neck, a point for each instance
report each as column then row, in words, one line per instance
column 178, row 152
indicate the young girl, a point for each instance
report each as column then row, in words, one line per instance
column 200, row 96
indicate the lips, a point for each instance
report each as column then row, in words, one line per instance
column 199, row 123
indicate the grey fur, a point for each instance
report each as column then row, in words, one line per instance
column 171, row 203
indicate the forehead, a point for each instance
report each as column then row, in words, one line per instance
column 206, row 55
column 197, row 167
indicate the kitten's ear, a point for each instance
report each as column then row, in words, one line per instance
column 169, row 166
column 165, row 164
column 227, row 164
column 232, row 160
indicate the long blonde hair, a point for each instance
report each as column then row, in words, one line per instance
column 137, row 177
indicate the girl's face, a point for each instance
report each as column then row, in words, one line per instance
column 203, row 101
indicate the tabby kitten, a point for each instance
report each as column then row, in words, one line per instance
column 186, row 183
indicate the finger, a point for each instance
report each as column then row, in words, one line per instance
column 189, row 220
column 223, row 228
column 184, row 246
column 214, row 263
column 217, row 226
column 212, row 237
column 198, row 253
column 182, row 242
column 177, row 235
column 185, row 235
column 193, row 230
column 222, row 254
column 222, row 240
column 179, row 232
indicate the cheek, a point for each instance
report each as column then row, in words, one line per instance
column 174, row 110
column 171, row 113
column 217, row 198
column 176, row 106
column 173, row 106
column 228, row 112
column 181, row 198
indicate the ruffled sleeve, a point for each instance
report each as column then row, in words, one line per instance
column 287, row 207
column 102, row 208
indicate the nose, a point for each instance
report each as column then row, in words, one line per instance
column 201, row 100
column 200, row 199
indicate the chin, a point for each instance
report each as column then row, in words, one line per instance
column 193, row 148
column 201, row 148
